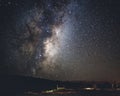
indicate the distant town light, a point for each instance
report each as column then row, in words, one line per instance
column 89, row 88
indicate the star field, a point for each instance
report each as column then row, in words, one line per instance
column 61, row 39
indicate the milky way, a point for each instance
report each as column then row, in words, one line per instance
column 45, row 37
column 61, row 39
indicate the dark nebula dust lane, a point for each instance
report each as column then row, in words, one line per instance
column 61, row 39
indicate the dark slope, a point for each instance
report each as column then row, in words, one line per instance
column 10, row 84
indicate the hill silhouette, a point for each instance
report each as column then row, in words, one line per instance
column 13, row 84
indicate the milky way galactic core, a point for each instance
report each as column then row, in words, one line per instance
column 45, row 33
column 63, row 39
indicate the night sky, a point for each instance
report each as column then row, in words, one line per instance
column 60, row 39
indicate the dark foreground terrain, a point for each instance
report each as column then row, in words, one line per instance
column 79, row 94
column 82, row 93
column 29, row 86
column 12, row 85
